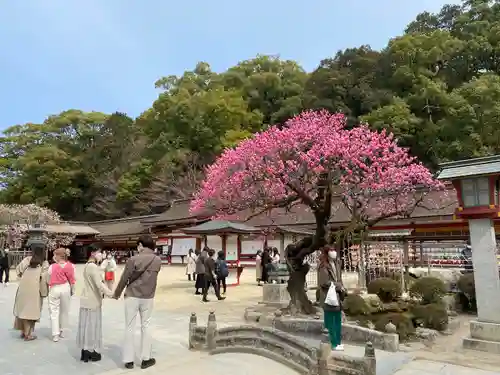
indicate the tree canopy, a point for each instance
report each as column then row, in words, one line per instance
column 435, row 87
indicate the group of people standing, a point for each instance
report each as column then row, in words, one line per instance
column 265, row 261
column 56, row 282
column 207, row 272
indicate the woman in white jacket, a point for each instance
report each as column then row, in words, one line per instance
column 191, row 265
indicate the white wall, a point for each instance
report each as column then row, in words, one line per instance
column 232, row 247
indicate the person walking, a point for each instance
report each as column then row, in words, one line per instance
column 210, row 276
column 61, row 288
column 89, row 336
column 258, row 267
column 4, row 266
column 33, row 287
column 331, row 296
column 191, row 265
column 109, row 267
column 222, row 271
column 200, row 271
column 140, row 278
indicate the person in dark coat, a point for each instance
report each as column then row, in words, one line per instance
column 4, row 266
column 266, row 263
column 200, row 270
column 328, row 275
column 210, row 276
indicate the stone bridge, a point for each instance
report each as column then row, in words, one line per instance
column 279, row 346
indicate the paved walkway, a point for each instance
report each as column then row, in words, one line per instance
column 170, row 333
column 436, row 368
column 170, row 330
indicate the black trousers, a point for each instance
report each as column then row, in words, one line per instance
column 221, row 281
column 209, row 281
column 4, row 270
column 194, row 276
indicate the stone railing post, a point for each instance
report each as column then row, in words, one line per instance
column 193, row 322
column 211, row 331
column 370, row 360
column 324, row 352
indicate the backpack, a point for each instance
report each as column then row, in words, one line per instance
column 221, row 269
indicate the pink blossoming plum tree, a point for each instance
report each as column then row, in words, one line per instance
column 310, row 160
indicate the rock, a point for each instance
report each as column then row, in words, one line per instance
column 390, row 328
column 399, row 306
column 252, row 315
column 428, row 336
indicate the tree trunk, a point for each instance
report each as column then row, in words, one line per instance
column 299, row 301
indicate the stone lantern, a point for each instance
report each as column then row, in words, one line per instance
column 476, row 182
column 36, row 235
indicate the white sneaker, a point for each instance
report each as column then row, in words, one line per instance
column 6, row 284
column 339, row 348
column 55, row 338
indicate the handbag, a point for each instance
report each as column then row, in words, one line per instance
column 44, row 285
column 109, row 275
column 332, row 298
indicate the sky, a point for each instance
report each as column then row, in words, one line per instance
column 105, row 55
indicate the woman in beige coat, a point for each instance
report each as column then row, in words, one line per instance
column 32, row 288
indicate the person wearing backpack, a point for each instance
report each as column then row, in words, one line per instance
column 222, row 271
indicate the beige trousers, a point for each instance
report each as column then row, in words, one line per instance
column 59, row 303
column 143, row 308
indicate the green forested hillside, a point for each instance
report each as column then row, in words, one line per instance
column 437, row 87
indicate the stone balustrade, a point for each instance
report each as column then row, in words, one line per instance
column 278, row 346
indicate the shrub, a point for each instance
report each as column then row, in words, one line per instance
column 466, row 285
column 429, row 289
column 466, row 297
column 386, row 289
column 355, row 305
column 402, row 321
column 432, row 316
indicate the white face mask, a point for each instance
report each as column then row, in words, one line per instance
column 332, row 254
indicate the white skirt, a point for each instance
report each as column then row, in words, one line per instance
column 89, row 335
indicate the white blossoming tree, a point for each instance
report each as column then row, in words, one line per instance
column 16, row 221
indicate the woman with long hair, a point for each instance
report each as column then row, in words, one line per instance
column 329, row 279
column 32, row 288
column 89, row 337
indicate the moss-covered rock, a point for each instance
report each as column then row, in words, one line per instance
column 432, row 315
column 387, row 289
column 355, row 305
column 429, row 289
column 402, row 321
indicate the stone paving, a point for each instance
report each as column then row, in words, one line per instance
column 170, row 326
column 170, row 331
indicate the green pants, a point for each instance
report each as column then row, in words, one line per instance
column 333, row 323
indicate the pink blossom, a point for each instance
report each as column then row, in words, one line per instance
column 373, row 175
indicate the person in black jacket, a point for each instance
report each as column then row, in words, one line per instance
column 210, row 276
column 4, row 266
column 266, row 263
